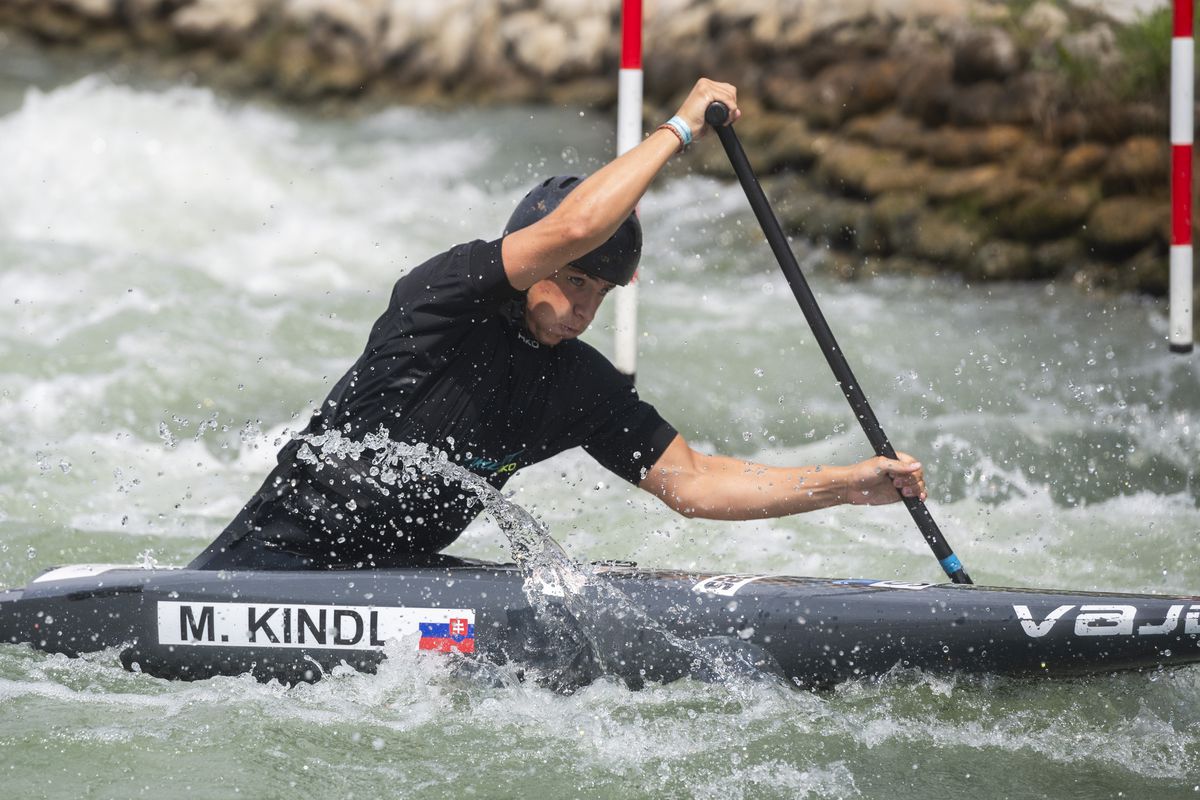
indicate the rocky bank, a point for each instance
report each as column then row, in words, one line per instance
column 1020, row 140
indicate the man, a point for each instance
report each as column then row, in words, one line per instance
column 478, row 355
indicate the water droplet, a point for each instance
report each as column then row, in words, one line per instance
column 31, row 552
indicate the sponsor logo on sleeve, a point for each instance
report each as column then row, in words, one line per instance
column 313, row 627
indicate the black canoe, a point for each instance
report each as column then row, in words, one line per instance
column 190, row 624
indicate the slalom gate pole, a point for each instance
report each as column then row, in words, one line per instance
column 716, row 116
column 1183, row 47
column 629, row 134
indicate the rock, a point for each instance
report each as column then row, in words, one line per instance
column 982, row 54
column 1002, row 260
column 957, row 147
column 867, row 171
column 1048, row 212
column 927, row 87
column 51, row 22
column 1096, row 46
column 792, row 146
column 938, row 237
column 954, row 184
column 223, row 23
column 1036, row 160
column 988, row 103
column 849, row 88
column 362, row 21
column 540, row 47
column 1128, row 223
column 888, row 129
column 1008, row 189
column 1140, row 164
column 1112, row 120
column 1058, row 257
column 832, row 219
column 94, row 10
column 437, row 43
column 889, row 224
column 1069, row 126
column 1045, row 20
column 788, row 93
column 1083, row 161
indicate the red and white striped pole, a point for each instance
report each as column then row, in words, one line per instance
column 629, row 134
column 1179, row 334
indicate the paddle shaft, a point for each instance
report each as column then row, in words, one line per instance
column 716, row 116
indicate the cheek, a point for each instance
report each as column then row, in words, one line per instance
column 552, row 302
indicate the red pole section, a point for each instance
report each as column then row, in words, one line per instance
column 1179, row 334
column 631, row 34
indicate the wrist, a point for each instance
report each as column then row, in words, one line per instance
column 680, row 128
column 842, row 484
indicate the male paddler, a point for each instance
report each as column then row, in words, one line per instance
column 478, row 355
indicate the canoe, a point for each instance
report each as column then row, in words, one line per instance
column 636, row 623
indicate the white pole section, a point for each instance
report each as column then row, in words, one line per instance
column 629, row 134
column 1179, row 333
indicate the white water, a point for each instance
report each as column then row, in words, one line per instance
column 174, row 299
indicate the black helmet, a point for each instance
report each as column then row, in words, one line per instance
column 615, row 261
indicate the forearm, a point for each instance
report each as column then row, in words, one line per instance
column 603, row 201
column 719, row 487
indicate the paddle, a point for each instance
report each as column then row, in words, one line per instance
column 716, row 116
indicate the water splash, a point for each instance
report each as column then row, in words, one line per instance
column 618, row 635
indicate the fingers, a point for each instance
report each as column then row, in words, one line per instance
column 906, row 475
column 703, row 94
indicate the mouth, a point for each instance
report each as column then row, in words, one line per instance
column 570, row 332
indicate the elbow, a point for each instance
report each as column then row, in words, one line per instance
column 687, row 507
column 581, row 224
column 582, row 234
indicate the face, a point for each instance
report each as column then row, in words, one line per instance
column 563, row 305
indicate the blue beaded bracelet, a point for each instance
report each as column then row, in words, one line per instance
column 682, row 128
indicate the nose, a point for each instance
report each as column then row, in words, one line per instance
column 586, row 306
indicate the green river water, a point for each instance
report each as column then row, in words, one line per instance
column 183, row 275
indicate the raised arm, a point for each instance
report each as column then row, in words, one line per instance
column 719, row 487
column 590, row 214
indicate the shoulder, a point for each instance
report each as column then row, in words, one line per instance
column 587, row 368
column 465, row 275
column 472, row 257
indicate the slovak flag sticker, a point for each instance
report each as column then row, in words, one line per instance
column 457, row 633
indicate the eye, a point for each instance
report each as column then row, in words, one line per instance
column 575, row 280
